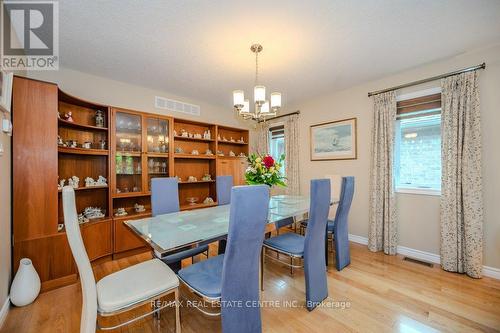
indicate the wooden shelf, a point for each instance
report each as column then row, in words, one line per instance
column 82, row 151
column 197, row 206
column 129, row 153
column 197, row 182
column 152, row 154
column 84, row 188
column 130, row 195
column 183, row 138
column 232, row 143
column 201, row 156
column 231, row 157
column 66, row 123
column 134, row 215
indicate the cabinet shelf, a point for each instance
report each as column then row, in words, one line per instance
column 134, row 215
column 131, row 195
column 85, row 188
column 197, row 182
column 197, row 206
column 66, row 123
column 82, row 151
column 129, row 153
column 152, row 154
column 183, row 138
column 232, row 143
column 200, row 157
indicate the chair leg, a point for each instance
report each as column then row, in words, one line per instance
column 262, row 269
column 177, row 312
column 291, row 266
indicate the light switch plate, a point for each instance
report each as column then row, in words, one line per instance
column 1, row 149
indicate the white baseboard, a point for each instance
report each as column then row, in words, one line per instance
column 4, row 311
column 488, row 271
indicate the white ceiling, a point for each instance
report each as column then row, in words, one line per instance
column 200, row 49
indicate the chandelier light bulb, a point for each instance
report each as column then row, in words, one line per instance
column 238, row 98
column 264, row 108
column 259, row 94
column 246, row 107
column 275, row 100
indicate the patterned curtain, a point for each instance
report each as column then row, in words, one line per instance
column 292, row 154
column 262, row 138
column 461, row 184
column 383, row 233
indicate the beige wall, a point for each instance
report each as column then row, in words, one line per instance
column 110, row 92
column 418, row 214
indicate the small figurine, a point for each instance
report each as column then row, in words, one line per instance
column 208, row 200
column 241, row 140
column 206, row 135
column 206, row 177
column 93, row 213
column 89, row 181
column 135, row 189
column 179, row 179
column 231, row 139
column 195, row 152
column 208, row 152
column 82, row 218
column 192, row 179
column 197, row 136
column 139, row 208
column 179, row 150
column 121, row 212
column 175, row 133
column 99, row 118
column 224, row 138
column 191, row 135
column 87, row 145
column 101, row 181
column 60, row 227
column 218, row 137
column 68, row 116
column 73, row 181
column 60, row 141
column 242, row 155
column 184, row 133
column 61, row 184
column 102, row 144
column 72, row 143
column 220, row 153
column 231, row 153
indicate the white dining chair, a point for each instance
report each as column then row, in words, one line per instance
column 121, row 291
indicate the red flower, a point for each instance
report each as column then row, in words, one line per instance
column 268, row 161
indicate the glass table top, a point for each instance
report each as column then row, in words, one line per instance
column 168, row 232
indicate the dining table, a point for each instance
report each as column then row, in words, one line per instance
column 190, row 228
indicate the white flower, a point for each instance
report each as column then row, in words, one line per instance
column 251, row 170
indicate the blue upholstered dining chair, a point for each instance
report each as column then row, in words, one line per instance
column 224, row 185
column 339, row 226
column 310, row 248
column 234, row 276
column 165, row 200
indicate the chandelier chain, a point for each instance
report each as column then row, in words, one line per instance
column 256, row 67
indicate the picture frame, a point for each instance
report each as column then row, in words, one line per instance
column 6, row 90
column 334, row 140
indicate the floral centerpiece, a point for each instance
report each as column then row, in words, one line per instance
column 264, row 170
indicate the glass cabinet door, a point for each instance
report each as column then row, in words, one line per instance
column 128, row 162
column 157, row 135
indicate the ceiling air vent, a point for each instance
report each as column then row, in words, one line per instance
column 176, row 106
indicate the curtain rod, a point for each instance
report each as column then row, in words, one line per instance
column 434, row 78
column 283, row 115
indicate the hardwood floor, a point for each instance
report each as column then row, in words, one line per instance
column 376, row 293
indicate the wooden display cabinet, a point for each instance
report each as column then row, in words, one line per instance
column 140, row 146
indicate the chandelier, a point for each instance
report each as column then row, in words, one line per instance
column 263, row 108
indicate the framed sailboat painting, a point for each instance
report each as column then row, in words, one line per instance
column 335, row 140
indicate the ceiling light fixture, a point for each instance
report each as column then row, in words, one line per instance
column 263, row 108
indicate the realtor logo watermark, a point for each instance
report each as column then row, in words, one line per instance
column 30, row 35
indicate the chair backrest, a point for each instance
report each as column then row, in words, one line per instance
column 341, row 227
column 240, row 273
column 345, row 200
column 89, row 305
column 164, row 195
column 335, row 184
column 314, row 244
column 224, row 185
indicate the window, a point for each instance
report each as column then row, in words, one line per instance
column 277, row 143
column 417, row 158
